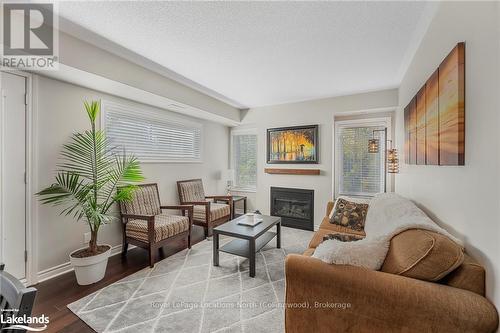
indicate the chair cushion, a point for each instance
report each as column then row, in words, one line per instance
column 165, row 226
column 217, row 210
column 423, row 255
column 145, row 201
column 349, row 214
column 191, row 191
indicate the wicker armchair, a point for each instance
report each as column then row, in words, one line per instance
column 146, row 226
column 208, row 211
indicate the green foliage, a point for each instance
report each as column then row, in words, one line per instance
column 92, row 176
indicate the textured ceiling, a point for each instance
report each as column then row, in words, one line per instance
column 263, row 53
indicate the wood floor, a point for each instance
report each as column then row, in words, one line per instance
column 53, row 295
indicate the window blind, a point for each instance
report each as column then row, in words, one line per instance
column 152, row 137
column 360, row 173
column 245, row 160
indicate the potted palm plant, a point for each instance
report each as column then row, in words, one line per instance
column 86, row 187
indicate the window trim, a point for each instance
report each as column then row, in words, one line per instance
column 154, row 114
column 245, row 131
column 337, row 125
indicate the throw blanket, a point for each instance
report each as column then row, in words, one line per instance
column 388, row 215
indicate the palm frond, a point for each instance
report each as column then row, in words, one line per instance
column 93, row 108
column 68, row 190
column 90, row 172
column 126, row 172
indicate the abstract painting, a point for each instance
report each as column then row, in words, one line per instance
column 432, row 120
column 412, row 127
column 298, row 144
column 435, row 118
column 451, row 108
column 407, row 134
column 421, row 126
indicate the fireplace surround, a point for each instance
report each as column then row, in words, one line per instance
column 294, row 206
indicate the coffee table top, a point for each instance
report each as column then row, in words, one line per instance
column 232, row 228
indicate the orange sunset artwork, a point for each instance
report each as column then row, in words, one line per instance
column 293, row 145
column 435, row 117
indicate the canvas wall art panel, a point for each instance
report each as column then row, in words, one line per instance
column 298, row 144
column 452, row 107
column 432, row 120
column 435, row 117
column 407, row 134
column 412, row 127
column 421, row 126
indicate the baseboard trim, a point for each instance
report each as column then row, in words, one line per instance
column 55, row 271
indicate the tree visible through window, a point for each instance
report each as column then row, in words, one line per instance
column 360, row 172
column 244, row 152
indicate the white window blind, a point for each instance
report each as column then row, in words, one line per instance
column 244, row 160
column 151, row 136
column 359, row 173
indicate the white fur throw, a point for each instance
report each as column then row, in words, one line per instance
column 388, row 215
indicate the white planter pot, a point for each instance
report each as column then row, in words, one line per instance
column 90, row 270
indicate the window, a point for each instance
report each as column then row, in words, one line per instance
column 151, row 136
column 244, row 159
column 358, row 172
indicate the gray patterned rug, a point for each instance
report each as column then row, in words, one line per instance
column 186, row 293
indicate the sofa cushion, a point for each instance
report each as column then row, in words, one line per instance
column 470, row 275
column 335, row 228
column 342, row 237
column 349, row 214
column 318, row 238
column 308, row 252
column 331, row 205
column 320, row 235
column 423, row 255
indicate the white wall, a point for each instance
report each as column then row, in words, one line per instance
column 87, row 57
column 464, row 199
column 60, row 113
column 320, row 112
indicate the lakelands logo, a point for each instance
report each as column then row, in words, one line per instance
column 30, row 36
column 24, row 323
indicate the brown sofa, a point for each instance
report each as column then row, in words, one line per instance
column 343, row 298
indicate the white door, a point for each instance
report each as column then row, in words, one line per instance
column 13, row 167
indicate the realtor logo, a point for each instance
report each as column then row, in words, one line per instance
column 30, row 36
column 23, row 323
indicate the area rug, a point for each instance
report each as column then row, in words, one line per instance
column 186, row 293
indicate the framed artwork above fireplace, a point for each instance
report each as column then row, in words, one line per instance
column 297, row 144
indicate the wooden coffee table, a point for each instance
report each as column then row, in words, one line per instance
column 249, row 240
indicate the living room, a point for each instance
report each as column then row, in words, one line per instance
column 250, row 166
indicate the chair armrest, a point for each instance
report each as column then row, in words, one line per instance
column 178, row 207
column 220, row 197
column 183, row 208
column 148, row 218
column 378, row 301
column 196, row 203
column 137, row 217
column 226, row 198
